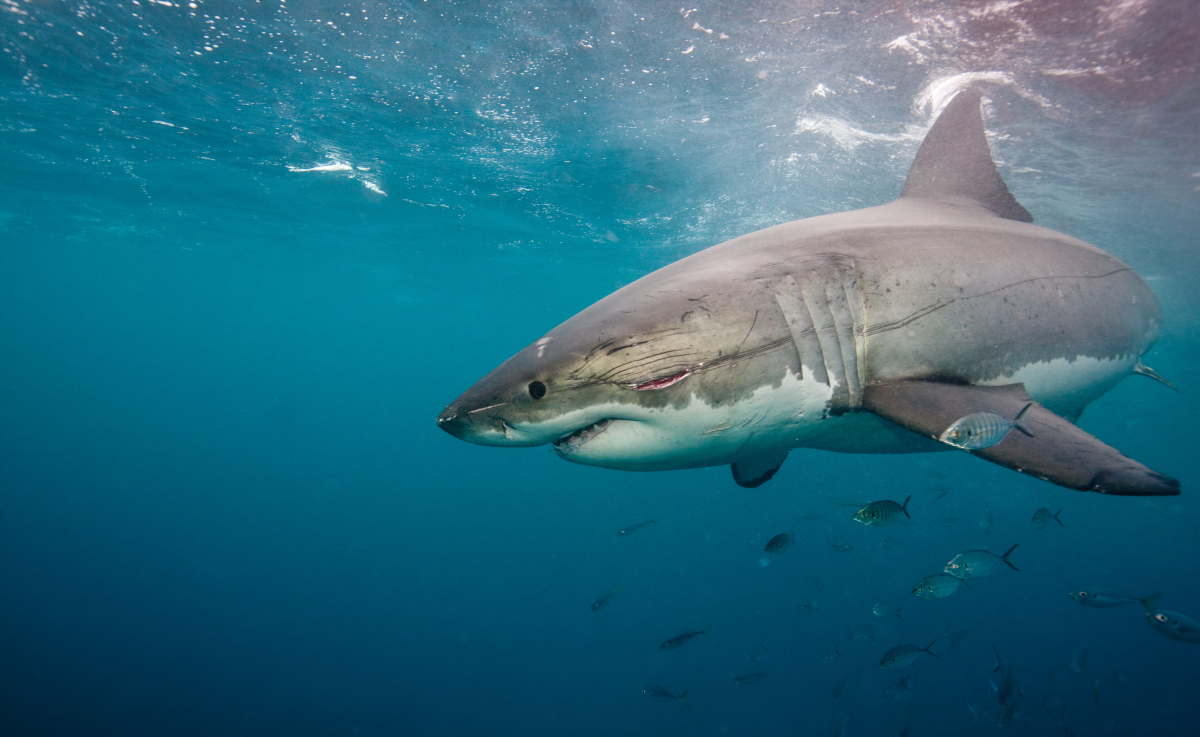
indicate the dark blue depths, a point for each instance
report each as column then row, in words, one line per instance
column 226, row 508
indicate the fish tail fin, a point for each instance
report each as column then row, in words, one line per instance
column 897, row 613
column 929, row 649
column 1017, row 420
column 1007, row 561
column 655, row 520
column 683, row 698
column 1148, row 602
column 904, row 507
column 1056, row 519
column 999, row 660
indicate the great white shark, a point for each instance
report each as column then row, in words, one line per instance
column 869, row 331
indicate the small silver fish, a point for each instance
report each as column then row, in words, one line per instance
column 957, row 638
column 658, row 693
column 1174, row 625
column 749, row 678
column 840, row 689
column 902, row 655
column 882, row 610
column 634, row 528
column 978, row 563
column 678, row 640
column 880, row 514
column 896, row 691
column 834, row 653
column 603, row 599
column 756, row 656
column 1079, row 658
column 1003, row 680
column 779, row 543
column 1007, row 713
column 863, row 632
column 1107, row 598
column 937, row 586
column 983, row 430
column 1042, row 517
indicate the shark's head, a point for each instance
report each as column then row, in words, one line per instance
column 634, row 382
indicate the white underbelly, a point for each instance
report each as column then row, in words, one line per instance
column 1065, row 386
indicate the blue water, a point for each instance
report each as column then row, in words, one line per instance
column 227, row 508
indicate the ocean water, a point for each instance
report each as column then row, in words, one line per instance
column 249, row 250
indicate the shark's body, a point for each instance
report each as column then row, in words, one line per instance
column 839, row 332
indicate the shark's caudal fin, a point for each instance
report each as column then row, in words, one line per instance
column 954, row 163
column 1059, row 452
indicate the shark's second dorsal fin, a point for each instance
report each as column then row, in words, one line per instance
column 955, row 163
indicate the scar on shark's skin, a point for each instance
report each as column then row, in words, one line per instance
column 881, row 328
column 490, row 406
column 662, row 383
column 643, row 382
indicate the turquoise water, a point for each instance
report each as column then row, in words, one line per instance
column 250, row 250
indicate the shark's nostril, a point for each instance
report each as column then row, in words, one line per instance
column 448, row 419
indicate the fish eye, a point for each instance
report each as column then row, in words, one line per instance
column 1161, row 617
column 537, row 389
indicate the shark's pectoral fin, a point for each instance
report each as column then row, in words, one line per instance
column 757, row 470
column 1059, row 452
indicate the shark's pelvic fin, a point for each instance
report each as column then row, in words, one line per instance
column 757, row 470
column 1060, row 452
column 1147, row 371
column 954, row 162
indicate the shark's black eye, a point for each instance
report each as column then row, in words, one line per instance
column 537, row 389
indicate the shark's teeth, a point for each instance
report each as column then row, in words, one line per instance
column 571, row 443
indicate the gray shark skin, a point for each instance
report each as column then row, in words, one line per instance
column 806, row 334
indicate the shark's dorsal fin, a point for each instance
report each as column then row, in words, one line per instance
column 954, row 162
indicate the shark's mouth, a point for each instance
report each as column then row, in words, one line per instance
column 574, row 441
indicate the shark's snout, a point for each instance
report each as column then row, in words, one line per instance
column 484, row 425
column 454, row 420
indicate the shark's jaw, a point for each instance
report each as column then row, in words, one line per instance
column 572, row 442
column 692, row 434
